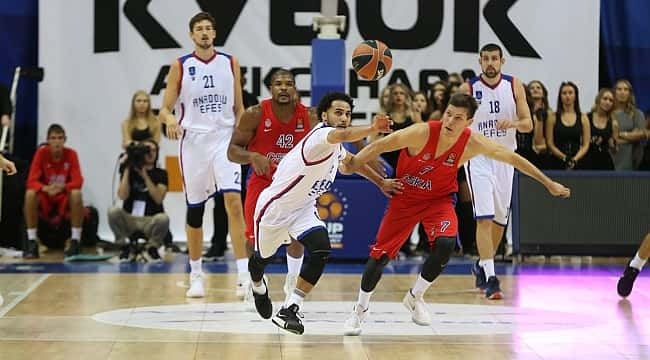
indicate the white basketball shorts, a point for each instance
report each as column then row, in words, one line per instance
column 490, row 184
column 276, row 224
column 205, row 166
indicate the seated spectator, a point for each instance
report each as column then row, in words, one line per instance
column 604, row 132
column 421, row 104
column 141, row 124
column 143, row 187
column 567, row 131
column 54, row 191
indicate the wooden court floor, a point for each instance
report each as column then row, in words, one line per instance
column 145, row 316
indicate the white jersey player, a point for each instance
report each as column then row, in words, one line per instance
column 205, row 89
column 501, row 113
column 288, row 204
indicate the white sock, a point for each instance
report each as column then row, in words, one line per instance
column 31, row 234
column 637, row 262
column 196, row 265
column 76, row 233
column 261, row 289
column 364, row 299
column 488, row 267
column 297, row 296
column 294, row 264
column 242, row 265
column 420, row 287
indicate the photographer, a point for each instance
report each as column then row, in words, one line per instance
column 143, row 187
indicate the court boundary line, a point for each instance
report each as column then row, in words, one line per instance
column 7, row 308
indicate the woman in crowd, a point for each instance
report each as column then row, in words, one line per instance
column 421, row 104
column 631, row 124
column 567, row 131
column 141, row 124
column 604, row 132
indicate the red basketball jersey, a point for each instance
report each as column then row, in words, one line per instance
column 273, row 138
column 425, row 177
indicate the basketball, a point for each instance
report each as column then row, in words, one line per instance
column 371, row 60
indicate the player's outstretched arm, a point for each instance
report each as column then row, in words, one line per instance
column 479, row 144
column 395, row 141
column 169, row 100
column 381, row 124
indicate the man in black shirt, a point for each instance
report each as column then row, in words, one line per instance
column 143, row 187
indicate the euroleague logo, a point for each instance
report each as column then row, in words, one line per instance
column 332, row 207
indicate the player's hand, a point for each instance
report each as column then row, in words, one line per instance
column 381, row 123
column 349, row 167
column 261, row 164
column 557, row 189
column 174, row 132
column 504, row 124
column 378, row 166
column 391, row 187
column 8, row 166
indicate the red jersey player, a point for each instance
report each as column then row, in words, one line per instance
column 430, row 157
column 265, row 133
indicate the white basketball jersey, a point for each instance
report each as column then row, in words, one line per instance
column 495, row 103
column 206, row 93
column 307, row 171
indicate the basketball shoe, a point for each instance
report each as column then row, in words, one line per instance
column 479, row 273
column 196, row 289
column 289, row 319
column 625, row 283
column 352, row 325
column 243, row 282
column 492, row 289
column 263, row 303
column 418, row 308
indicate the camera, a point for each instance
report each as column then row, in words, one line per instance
column 136, row 153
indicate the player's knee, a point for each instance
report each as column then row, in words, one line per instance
column 195, row 216
column 317, row 241
column 444, row 246
column 233, row 205
column 318, row 244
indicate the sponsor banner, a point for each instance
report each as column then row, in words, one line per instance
column 96, row 54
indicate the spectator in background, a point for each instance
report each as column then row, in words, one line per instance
column 631, row 124
column 53, row 187
column 141, row 124
column 455, row 80
column 143, row 187
column 567, row 131
column 540, row 112
column 604, row 132
column 439, row 99
column 525, row 140
column 421, row 104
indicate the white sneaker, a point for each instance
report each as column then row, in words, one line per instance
column 352, row 325
column 196, row 289
column 418, row 308
column 289, row 284
column 12, row 253
column 243, row 284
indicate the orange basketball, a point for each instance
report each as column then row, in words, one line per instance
column 372, row 60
